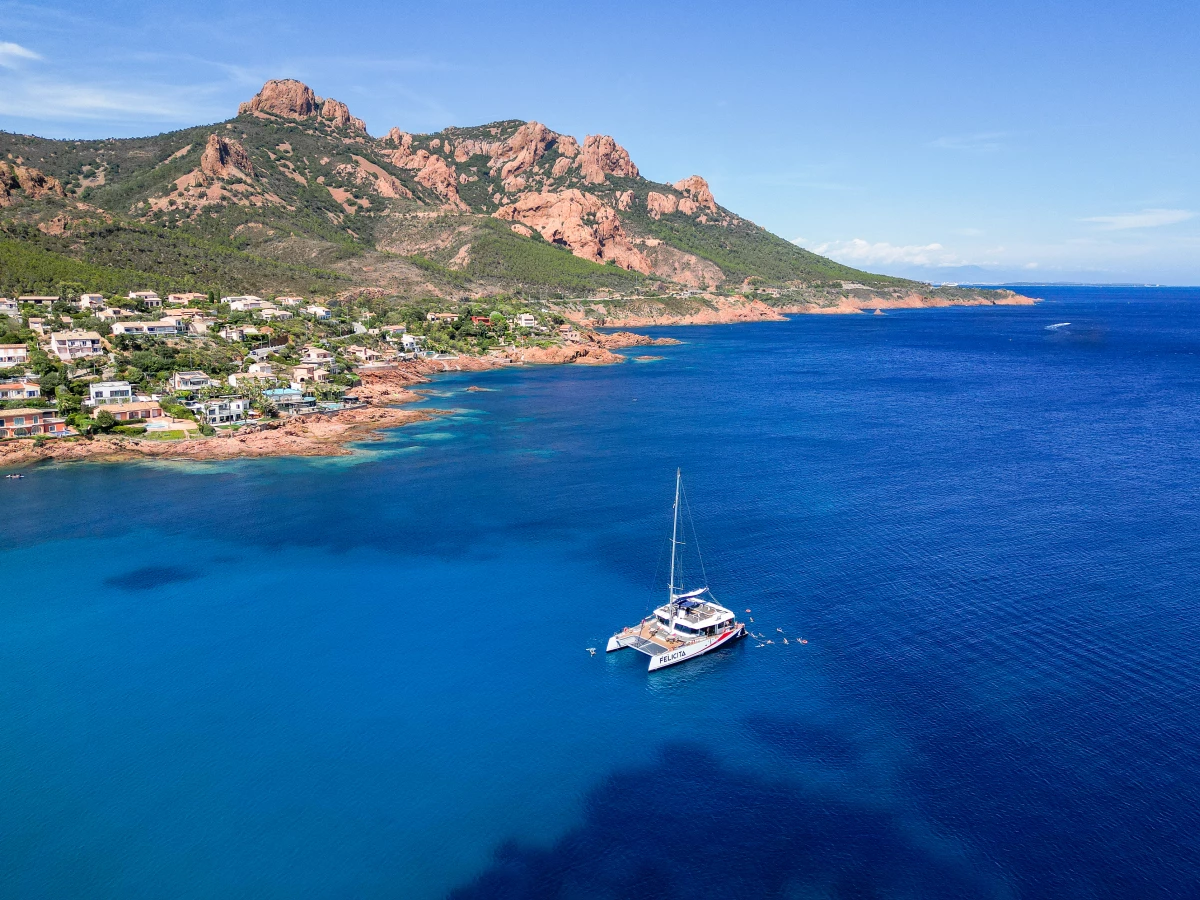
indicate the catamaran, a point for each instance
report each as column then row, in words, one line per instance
column 689, row 624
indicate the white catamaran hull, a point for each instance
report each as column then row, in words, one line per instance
column 660, row 658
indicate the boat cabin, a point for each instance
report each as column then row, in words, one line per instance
column 692, row 617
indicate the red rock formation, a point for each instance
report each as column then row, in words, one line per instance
column 567, row 146
column 624, row 199
column 603, row 156
column 338, row 113
column 695, row 189
column 401, row 139
column 223, row 156
column 441, row 177
column 36, row 184
column 283, row 97
column 580, row 222
column 293, row 99
column 659, row 205
column 524, row 149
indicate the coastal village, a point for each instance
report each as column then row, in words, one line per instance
column 142, row 374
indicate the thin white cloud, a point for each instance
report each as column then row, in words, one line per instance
column 1147, row 218
column 862, row 252
column 12, row 55
column 63, row 100
column 980, row 142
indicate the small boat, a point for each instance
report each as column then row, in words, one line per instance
column 689, row 624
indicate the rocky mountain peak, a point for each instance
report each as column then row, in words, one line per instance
column 601, row 156
column 293, row 99
column 695, row 189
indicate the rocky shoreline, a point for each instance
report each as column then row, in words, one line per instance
column 385, row 390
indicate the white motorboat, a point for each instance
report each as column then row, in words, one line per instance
column 689, row 624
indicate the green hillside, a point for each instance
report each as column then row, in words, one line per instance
column 288, row 203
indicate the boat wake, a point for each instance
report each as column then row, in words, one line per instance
column 1059, row 325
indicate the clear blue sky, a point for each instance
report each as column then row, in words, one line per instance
column 1036, row 140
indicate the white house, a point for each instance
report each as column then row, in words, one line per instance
column 248, row 303
column 162, row 328
column 289, row 301
column 69, row 345
column 270, row 312
column 316, row 355
column 13, row 355
column 146, row 298
column 241, row 379
column 20, row 390
column 105, row 393
column 524, row 320
column 221, row 410
column 317, row 312
column 442, row 317
column 9, row 308
column 185, row 299
column 238, row 333
column 191, row 381
column 91, row 301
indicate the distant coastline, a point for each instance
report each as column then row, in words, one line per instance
column 386, row 390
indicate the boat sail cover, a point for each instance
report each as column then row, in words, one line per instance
column 689, row 595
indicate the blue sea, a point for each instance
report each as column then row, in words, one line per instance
column 368, row 677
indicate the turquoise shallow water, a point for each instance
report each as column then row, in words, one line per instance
column 368, row 677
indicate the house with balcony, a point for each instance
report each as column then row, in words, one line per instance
column 246, row 379
column 20, row 390
column 191, row 381
column 308, row 372
column 185, row 299
column 9, row 307
column 237, row 333
column 69, row 346
column 316, row 355
column 13, row 355
column 91, row 301
column 149, row 299
column 289, row 301
column 524, row 320
column 290, row 400
column 107, row 393
column 442, row 317
column 31, row 423
column 161, row 328
column 247, row 303
column 220, row 410
column 318, row 312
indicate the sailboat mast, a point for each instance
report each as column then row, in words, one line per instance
column 674, row 534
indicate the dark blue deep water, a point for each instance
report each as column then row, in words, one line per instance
column 368, row 677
